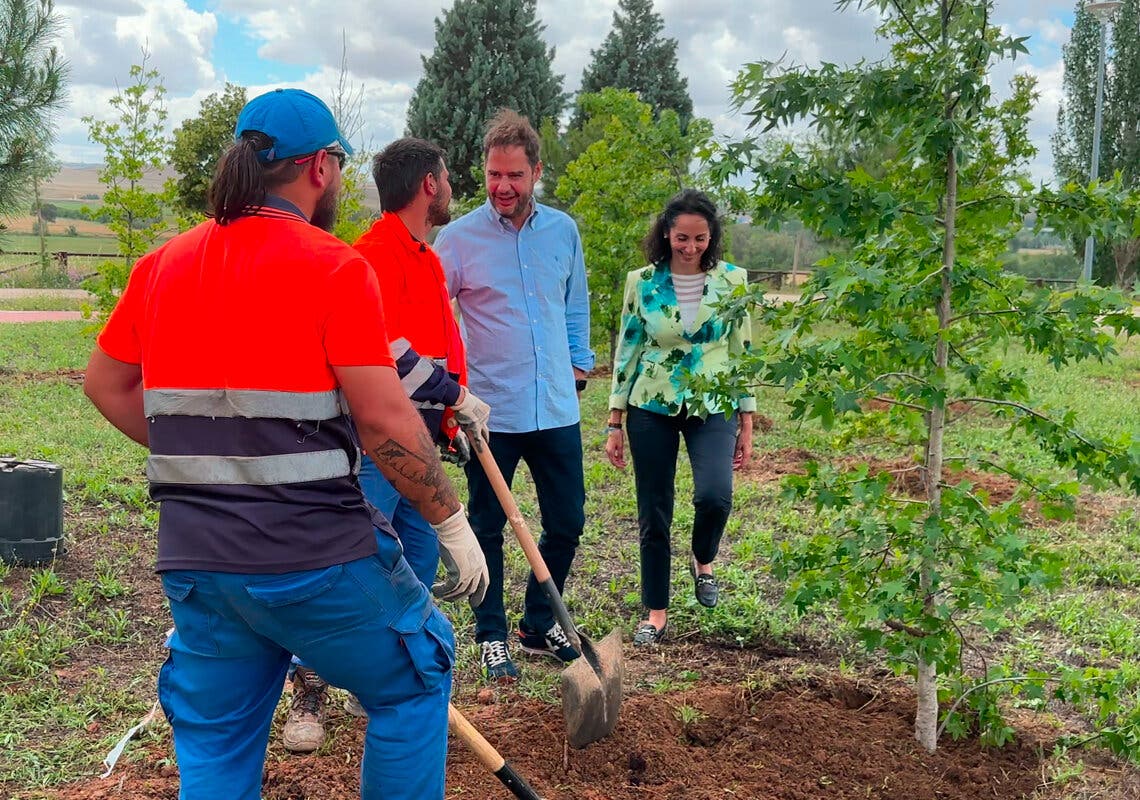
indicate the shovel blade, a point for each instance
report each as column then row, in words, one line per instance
column 591, row 691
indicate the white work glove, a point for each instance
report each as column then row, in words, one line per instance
column 472, row 415
column 463, row 560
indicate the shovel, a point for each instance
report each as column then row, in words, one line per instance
column 591, row 685
column 489, row 755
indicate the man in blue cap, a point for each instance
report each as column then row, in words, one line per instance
column 250, row 356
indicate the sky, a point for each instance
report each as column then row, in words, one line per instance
column 199, row 45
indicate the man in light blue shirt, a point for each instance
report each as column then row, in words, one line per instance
column 516, row 270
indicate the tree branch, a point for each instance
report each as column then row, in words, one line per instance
column 910, row 24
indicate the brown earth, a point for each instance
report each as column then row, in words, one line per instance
column 834, row 739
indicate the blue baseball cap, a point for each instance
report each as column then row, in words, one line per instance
column 299, row 123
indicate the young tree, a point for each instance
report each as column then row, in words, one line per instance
column 489, row 54
column 134, row 144
column 635, row 56
column 199, row 142
column 1120, row 141
column 353, row 216
column 619, row 184
column 32, row 85
column 919, row 314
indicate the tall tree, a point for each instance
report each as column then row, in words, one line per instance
column 134, row 145
column 199, row 142
column 635, row 56
column 912, row 323
column 1120, row 147
column 488, row 54
column 617, row 186
column 32, row 82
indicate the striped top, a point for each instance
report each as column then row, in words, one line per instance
column 689, row 289
column 238, row 328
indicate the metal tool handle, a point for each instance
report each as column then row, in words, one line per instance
column 489, row 755
column 522, row 533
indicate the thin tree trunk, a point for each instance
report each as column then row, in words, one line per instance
column 926, row 717
column 40, row 223
column 796, row 257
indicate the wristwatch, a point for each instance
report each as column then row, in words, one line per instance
column 580, row 384
column 612, row 428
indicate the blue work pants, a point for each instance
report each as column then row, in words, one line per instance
column 367, row 626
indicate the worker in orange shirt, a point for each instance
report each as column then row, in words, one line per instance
column 430, row 360
column 412, row 180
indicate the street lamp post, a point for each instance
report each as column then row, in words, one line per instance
column 1103, row 11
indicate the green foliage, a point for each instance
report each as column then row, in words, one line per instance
column 488, row 54
column 617, row 187
column 1114, row 261
column 926, row 319
column 32, row 86
column 133, row 144
column 199, row 142
column 637, row 58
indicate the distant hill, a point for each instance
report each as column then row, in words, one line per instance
column 73, row 182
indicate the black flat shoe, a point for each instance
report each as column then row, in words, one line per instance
column 707, row 590
column 648, row 633
column 704, row 586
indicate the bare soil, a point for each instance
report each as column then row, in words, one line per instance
column 836, row 739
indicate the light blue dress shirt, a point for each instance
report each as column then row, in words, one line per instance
column 525, row 312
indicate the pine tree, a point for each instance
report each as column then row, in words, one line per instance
column 635, row 56
column 32, row 80
column 1120, row 148
column 489, row 54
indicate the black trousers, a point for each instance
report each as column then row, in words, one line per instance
column 554, row 457
column 654, row 443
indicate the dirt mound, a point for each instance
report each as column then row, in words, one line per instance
column 837, row 740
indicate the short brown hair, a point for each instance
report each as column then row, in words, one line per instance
column 511, row 129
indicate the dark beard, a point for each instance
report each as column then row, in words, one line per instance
column 324, row 215
column 438, row 213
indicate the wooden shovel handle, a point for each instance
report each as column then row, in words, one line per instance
column 490, row 757
column 522, row 532
column 514, row 516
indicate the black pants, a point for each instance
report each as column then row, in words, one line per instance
column 654, row 441
column 554, row 457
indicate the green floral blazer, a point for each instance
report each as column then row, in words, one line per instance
column 654, row 350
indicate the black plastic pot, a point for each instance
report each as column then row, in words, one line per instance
column 31, row 511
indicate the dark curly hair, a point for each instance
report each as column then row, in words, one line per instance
column 688, row 201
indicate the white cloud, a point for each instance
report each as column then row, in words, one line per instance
column 383, row 41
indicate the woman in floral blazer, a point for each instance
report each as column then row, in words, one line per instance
column 670, row 326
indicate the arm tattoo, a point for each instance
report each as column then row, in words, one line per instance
column 421, row 471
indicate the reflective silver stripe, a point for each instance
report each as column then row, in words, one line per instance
column 399, row 347
column 417, row 376
column 249, row 470
column 252, row 403
column 428, row 405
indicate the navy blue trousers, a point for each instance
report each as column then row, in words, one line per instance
column 554, row 457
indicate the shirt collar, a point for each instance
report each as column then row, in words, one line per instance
column 277, row 203
column 392, row 221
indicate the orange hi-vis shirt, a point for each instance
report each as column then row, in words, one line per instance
column 417, row 306
column 237, row 328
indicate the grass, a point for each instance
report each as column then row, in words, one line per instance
column 42, row 302
column 80, row 639
column 55, row 243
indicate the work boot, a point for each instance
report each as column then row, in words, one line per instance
column 304, row 727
